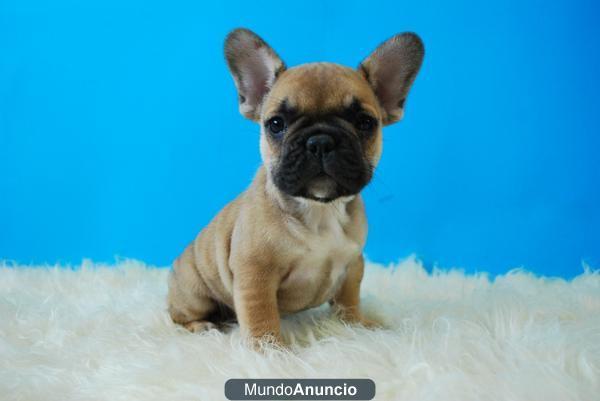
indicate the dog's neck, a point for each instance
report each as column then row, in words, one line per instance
column 313, row 214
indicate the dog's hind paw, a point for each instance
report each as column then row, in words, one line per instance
column 368, row 323
column 199, row 326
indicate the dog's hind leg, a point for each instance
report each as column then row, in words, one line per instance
column 189, row 302
column 191, row 310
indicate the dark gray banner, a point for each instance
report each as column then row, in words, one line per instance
column 300, row 389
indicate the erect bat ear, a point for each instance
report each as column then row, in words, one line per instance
column 391, row 69
column 254, row 66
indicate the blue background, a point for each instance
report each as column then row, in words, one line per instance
column 119, row 130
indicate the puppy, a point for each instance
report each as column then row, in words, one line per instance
column 293, row 240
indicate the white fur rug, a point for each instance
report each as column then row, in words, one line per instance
column 102, row 333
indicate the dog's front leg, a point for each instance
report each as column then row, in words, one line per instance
column 347, row 300
column 255, row 301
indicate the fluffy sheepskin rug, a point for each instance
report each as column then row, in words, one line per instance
column 101, row 332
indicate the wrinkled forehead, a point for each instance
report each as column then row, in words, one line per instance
column 320, row 88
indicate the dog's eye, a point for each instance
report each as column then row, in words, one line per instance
column 365, row 123
column 276, row 125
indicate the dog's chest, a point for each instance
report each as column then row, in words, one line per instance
column 321, row 260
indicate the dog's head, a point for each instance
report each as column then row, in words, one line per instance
column 321, row 122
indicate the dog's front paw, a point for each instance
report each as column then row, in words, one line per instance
column 266, row 343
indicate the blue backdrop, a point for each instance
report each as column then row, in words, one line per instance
column 119, row 130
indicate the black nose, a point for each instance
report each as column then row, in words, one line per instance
column 320, row 145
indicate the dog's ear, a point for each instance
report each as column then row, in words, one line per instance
column 254, row 66
column 391, row 69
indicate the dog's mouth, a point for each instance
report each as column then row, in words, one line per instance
column 322, row 182
column 322, row 188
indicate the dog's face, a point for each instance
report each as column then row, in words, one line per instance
column 321, row 132
column 321, row 123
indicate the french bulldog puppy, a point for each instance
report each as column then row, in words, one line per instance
column 294, row 239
